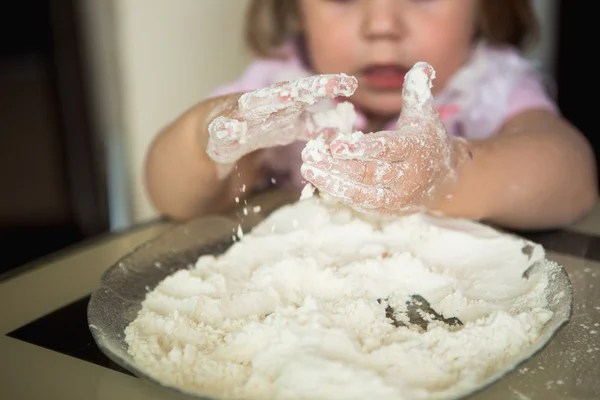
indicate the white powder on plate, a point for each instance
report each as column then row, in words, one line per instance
column 319, row 311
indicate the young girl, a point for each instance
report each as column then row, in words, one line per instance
column 494, row 149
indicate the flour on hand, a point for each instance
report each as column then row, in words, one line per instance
column 341, row 305
column 392, row 172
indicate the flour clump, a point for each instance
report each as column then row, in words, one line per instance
column 341, row 305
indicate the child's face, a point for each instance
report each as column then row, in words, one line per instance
column 378, row 41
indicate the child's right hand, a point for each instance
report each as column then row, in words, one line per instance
column 274, row 116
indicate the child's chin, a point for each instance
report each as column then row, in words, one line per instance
column 381, row 102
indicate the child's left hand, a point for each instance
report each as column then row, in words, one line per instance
column 394, row 172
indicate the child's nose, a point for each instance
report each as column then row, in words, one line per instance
column 381, row 19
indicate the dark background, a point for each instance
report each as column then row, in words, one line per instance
column 51, row 174
column 576, row 71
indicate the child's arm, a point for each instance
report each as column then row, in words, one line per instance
column 189, row 166
column 181, row 179
column 537, row 172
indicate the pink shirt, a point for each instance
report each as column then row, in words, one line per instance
column 496, row 84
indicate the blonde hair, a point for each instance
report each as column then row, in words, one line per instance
column 271, row 23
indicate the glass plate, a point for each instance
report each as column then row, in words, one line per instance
column 124, row 285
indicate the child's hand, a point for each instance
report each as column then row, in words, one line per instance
column 392, row 173
column 275, row 115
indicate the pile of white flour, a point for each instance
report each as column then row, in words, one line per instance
column 304, row 307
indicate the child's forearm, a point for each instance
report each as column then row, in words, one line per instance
column 181, row 179
column 538, row 173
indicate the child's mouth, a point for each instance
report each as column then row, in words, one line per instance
column 383, row 77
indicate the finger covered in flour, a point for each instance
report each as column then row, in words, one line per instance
column 373, row 172
column 227, row 139
column 302, row 92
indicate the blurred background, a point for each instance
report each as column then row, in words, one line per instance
column 85, row 85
